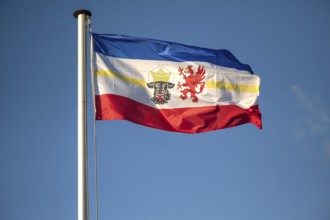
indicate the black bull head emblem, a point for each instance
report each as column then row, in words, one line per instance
column 161, row 91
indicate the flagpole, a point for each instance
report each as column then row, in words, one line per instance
column 81, row 15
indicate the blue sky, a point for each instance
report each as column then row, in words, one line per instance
column 279, row 172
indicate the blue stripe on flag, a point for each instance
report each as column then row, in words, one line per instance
column 121, row 46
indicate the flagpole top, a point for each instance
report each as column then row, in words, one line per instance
column 82, row 11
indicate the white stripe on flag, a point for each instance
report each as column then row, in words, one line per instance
column 129, row 78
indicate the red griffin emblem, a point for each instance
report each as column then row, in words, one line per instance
column 192, row 81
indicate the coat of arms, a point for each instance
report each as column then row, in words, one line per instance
column 192, row 81
column 161, row 86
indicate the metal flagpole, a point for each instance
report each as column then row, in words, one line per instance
column 81, row 15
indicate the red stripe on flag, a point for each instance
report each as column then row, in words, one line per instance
column 187, row 120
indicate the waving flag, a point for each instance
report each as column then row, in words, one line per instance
column 172, row 86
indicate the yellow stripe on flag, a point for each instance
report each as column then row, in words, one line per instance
column 209, row 84
column 231, row 86
column 131, row 80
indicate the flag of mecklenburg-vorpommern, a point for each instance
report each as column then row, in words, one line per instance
column 172, row 86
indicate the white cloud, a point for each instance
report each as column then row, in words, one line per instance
column 314, row 118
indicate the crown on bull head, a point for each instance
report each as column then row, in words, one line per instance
column 161, row 76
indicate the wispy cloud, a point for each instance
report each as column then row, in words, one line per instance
column 314, row 120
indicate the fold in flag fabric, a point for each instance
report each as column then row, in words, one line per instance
column 171, row 86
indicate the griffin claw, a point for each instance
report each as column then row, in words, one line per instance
column 183, row 97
